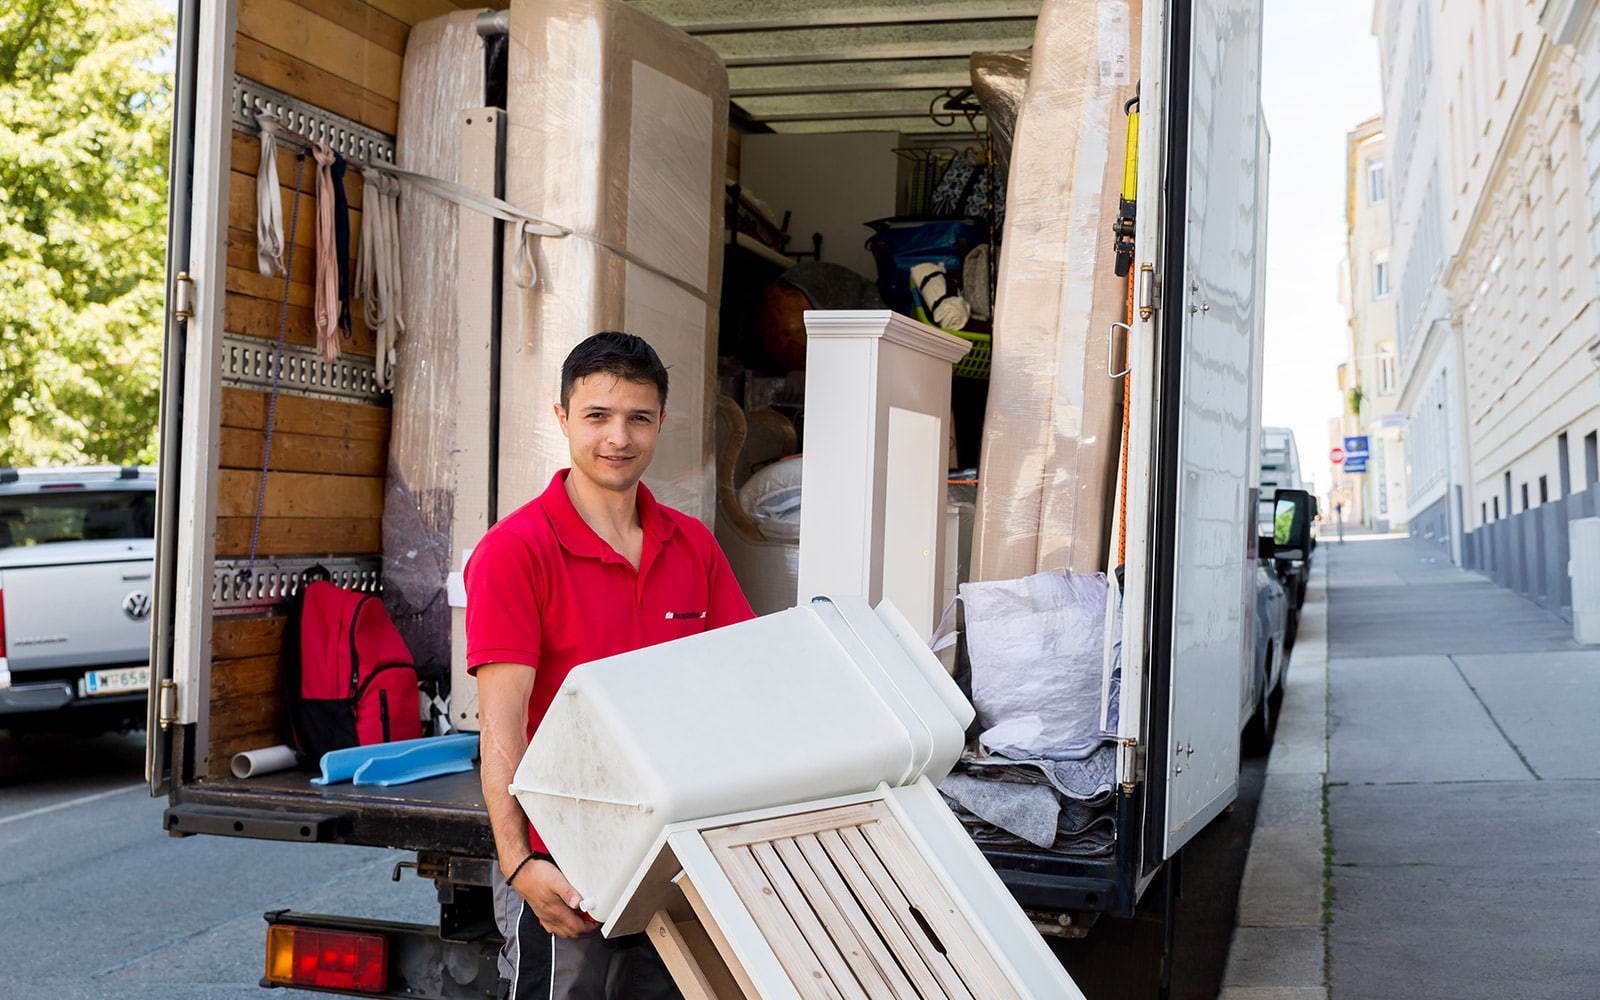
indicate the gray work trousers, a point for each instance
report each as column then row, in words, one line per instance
column 537, row 965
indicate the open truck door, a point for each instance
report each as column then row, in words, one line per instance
column 1213, row 150
column 194, row 197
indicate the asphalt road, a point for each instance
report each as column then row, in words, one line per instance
column 98, row 902
column 1120, row 959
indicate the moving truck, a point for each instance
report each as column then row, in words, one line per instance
column 229, row 551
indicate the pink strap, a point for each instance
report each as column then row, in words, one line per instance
column 326, row 296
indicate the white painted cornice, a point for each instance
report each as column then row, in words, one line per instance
column 888, row 325
column 1564, row 20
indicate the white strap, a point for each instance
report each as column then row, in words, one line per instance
column 377, row 280
column 269, row 203
column 529, row 227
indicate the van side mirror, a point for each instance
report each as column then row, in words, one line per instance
column 1292, row 512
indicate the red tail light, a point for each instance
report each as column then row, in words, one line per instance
column 327, row 959
column 2, row 623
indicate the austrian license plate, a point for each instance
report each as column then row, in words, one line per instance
column 123, row 681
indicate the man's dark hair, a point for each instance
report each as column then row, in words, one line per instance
column 612, row 353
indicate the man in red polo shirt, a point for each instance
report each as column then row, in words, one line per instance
column 592, row 567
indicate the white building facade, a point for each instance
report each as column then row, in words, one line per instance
column 1573, row 27
column 1420, row 182
column 1523, row 285
column 1372, row 368
column 1499, row 346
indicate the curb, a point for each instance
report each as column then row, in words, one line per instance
column 1279, row 946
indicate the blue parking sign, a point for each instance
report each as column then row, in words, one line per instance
column 1355, row 447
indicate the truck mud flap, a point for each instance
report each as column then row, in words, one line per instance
column 257, row 824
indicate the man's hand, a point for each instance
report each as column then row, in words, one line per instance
column 554, row 900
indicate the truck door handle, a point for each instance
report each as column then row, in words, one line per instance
column 1111, row 348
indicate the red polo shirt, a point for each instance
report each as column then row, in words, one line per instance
column 543, row 589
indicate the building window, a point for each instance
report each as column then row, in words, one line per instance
column 1375, row 184
column 1497, row 508
column 1380, row 275
column 1544, row 489
column 1524, row 496
column 1591, row 459
column 1388, row 369
column 1565, row 465
column 1484, row 512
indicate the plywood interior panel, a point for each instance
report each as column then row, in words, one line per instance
column 324, row 491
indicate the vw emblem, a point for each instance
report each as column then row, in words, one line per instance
column 136, row 605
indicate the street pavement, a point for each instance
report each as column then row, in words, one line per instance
column 1431, row 815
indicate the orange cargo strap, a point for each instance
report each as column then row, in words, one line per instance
column 1122, row 485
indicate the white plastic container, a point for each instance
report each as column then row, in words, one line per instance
column 825, row 699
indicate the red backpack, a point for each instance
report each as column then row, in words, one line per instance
column 348, row 676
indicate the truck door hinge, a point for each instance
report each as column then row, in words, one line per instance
column 1147, row 290
column 1127, row 764
column 183, row 297
column 169, row 704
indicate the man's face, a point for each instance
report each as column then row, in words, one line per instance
column 611, row 426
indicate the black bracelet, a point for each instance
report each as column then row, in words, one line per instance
column 512, row 878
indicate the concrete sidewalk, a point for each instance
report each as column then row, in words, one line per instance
column 1431, row 819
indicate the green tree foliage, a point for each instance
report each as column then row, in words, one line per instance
column 85, row 110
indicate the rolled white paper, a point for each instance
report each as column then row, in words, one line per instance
column 251, row 763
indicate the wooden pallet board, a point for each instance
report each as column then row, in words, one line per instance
column 849, row 907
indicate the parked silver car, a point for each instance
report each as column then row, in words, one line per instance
column 77, row 551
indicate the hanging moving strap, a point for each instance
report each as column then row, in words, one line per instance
column 1127, row 404
column 269, row 204
column 1124, row 264
column 277, row 365
column 326, row 292
column 378, row 270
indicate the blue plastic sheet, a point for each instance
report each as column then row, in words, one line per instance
column 400, row 762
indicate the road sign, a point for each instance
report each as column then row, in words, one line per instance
column 1355, row 463
column 1336, row 456
column 1355, row 447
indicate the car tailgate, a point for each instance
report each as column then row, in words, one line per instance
column 77, row 604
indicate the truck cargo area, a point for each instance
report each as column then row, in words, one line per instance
column 846, row 137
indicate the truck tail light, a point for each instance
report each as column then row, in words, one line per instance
column 320, row 958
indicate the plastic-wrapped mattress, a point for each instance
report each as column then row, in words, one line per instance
column 443, row 75
column 1048, row 469
column 616, row 128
